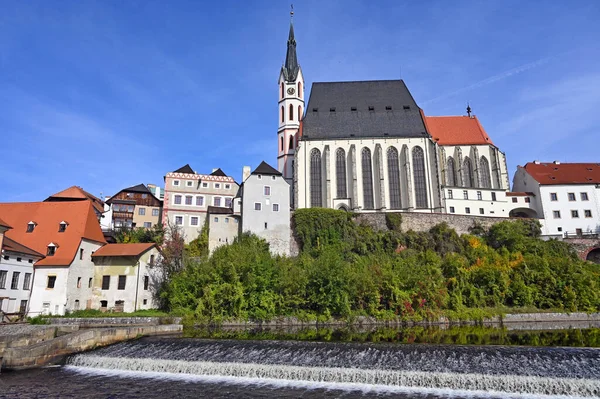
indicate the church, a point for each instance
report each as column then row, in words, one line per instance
column 366, row 146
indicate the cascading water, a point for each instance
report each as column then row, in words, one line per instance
column 468, row 370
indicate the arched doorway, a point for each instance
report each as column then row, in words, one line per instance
column 594, row 255
column 523, row 213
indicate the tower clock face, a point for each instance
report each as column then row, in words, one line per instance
column 291, row 91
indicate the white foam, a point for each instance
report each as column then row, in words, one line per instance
column 354, row 379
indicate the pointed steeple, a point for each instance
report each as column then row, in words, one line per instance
column 290, row 69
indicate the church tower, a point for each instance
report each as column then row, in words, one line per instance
column 291, row 108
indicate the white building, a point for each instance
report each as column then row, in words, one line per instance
column 124, row 277
column 67, row 233
column 566, row 196
column 189, row 194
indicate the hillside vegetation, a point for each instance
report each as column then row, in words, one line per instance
column 346, row 269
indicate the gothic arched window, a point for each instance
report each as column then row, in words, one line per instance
column 281, row 144
column 282, row 91
column 394, row 177
column 299, row 113
column 282, row 114
column 291, row 112
column 291, row 142
column 316, row 199
column 468, row 172
column 420, row 180
column 484, row 172
column 340, row 173
column 367, row 179
column 300, row 89
column 450, row 172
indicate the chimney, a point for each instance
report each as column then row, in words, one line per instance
column 556, row 162
column 245, row 173
column 536, row 162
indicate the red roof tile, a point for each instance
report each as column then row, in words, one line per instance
column 13, row 246
column 77, row 193
column 123, row 249
column 79, row 215
column 456, row 130
column 564, row 173
column 4, row 224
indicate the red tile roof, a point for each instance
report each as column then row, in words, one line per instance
column 4, row 224
column 79, row 215
column 123, row 249
column 13, row 246
column 77, row 193
column 456, row 130
column 564, row 173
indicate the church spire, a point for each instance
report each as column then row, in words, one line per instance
column 290, row 69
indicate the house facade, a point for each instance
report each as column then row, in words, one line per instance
column 135, row 206
column 189, row 194
column 124, row 277
column 565, row 195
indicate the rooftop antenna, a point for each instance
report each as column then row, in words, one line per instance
column 468, row 110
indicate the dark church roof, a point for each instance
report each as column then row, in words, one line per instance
column 218, row 172
column 265, row 169
column 185, row 169
column 291, row 67
column 378, row 108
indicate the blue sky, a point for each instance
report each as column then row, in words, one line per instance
column 109, row 94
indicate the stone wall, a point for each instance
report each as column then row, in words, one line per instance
column 584, row 246
column 114, row 321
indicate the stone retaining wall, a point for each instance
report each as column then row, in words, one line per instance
column 90, row 322
column 20, row 335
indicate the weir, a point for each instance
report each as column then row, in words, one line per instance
column 462, row 370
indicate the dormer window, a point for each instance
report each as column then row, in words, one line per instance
column 62, row 227
column 31, row 226
column 51, row 250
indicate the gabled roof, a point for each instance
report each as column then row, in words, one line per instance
column 218, row 172
column 265, row 169
column 185, row 169
column 564, row 173
column 81, row 219
column 346, row 110
column 76, row 193
column 4, row 224
column 140, row 188
column 456, row 130
column 135, row 249
column 13, row 246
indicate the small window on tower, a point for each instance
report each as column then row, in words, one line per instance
column 352, row 108
column 291, row 142
column 291, row 112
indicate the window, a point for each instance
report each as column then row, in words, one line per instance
column 142, row 211
column 257, row 206
column 468, row 173
column 571, row 196
column 340, row 173
column 367, row 179
column 23, row 306
column 194, row 221
column 216, row 219
column 493, row 196
column 177, row 200
column 514, row 200
column 30, row 227
column 527, row 200
column 90, row 282
column 574, row 214
column 479, row 197
column 560, row 229
column 228, row 202
column 62, row 227
column 122, row 281
column 3, row 274
column 14, row 285
column 579, row 232
column 420, row 179
column 481, row 211
column 76, row 304
column 80, row 253
column 553, row 197
column 588, row 213
column 199, row 201
column 265, row 225
column 179, row 220
column 188, row 199
column 291, row 147
column 130, row 208
column 217, row 201
column 291, row 115
column 27, row 281
column 129, row 195
column 6, row 257
column 189, row 183
column 151, row 260
column 103, row 304
column 315, row 179
column 145, row 302
column 300, row 89
column 465, row 194
column 393, row 165
column 450, row 194
column 217, row 185
column 146, row 283
column 467, row 210
column 19, row 259
column 275, row 207
column 227, row 186
column 281, row 143
column 226, row 220
column 30, row 260
column 267, row 190
column 51, row 282
column 556, row 214
column 147, row 225
column 51, row 250
column 259, row 177
column 176, row 183
column 105, row 282
column 78, row 282
column 484, row 173
column 144, row 196
column 204, row 185
column 282, row 116
column 451, row 209
column 584, row 196
column 450, row 172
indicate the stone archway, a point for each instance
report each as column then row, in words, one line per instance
column 523, row 213
column 593, row 255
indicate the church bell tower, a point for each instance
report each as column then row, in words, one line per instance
column 291, row 108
